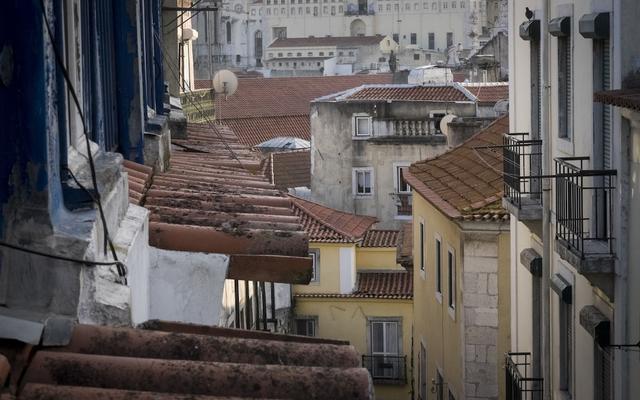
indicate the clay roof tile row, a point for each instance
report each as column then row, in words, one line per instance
column 380, row 238
column 397, row 285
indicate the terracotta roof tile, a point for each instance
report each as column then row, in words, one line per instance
column 625, row 98
column 270, row 97
column 380, row 238
column 434, row 93
column 291, row 169
column 253, row 131
column 404, row 254
column 478, row 190
column 215, row 199
column 324, row 224
column 139, row 177
column 377, row 285
column 340, row 41
column 123, row 363
column 489, row 93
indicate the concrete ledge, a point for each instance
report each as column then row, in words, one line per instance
column 562, row 288
column 528, row 210
column 157, row 143
column 586, row 263
column 431, row 139
column 596, row 324
column 532, row 261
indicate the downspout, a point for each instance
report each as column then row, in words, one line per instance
column 547, row 236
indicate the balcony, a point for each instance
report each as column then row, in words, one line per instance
column 522, row 171
column 518, row 385
column 425, row 130
column 403, row 204
column 584, row 232
column 386, row 369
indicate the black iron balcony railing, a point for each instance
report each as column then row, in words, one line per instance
column 584, row 207
column 403, row 203
column 522, row 169
column 519, row 386
column 386, row 369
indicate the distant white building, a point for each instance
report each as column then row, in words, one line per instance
column 238, row 35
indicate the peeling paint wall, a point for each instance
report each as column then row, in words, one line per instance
column 187, row 287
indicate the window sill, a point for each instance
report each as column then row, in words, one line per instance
column 423, row 274
column 452, row 312
column 439, row 297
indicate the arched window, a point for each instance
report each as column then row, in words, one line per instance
column 228, row 31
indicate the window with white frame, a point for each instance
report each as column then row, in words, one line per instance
column 362, row 126
column 385, row 336
column 451, row 266
column 401, row 184
column 306, row 326
column 438, row 265
column 363, row 181
column 315, row 259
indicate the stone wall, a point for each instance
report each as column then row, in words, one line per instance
column 480, row 299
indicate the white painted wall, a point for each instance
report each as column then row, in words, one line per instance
column 347, row 269
column 186, row 287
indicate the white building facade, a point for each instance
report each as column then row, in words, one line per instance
column 237, row 34
column 573, row 277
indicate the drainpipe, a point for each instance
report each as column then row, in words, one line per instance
column 547, row 236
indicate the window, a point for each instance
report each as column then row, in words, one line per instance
column 422, row 259
column 401, row 185
column 321, row 54
column 564, row 87
column 438, row 262
column 432, row 41
column 315, row 261
column 439, row 386
column 351, row 54
column 333, row 10
column 414, row 38
column 257, row 40
column 331, row 53
column 289, row 54
column 384, row 337
column 407, row 6
column 449, row 39
column 238, row 58
column 228, row 26
column 425, row 5
column 280, row 32
column 280, row 54
column 566, row 345
column 298, row 54
column 310, row 54
column 340, row 9
column 388, row 7
column 451, row 262
column 363, row 181
column 453, row 4
column 536, row 109
column 422, row 373
column 306, row 326
column 293, row 10
column 462, row 4
column 396, row 38
column 315, row 11
column 362, row 125
column 602, row 373
column 444, row 5
column 434, row 6
column 416, row 56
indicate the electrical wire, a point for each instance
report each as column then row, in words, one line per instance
column 184, row 85
column 94, row 180
column 182, row 13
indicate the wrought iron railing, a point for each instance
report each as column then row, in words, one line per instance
column 584, row 207
column 403, row 203
column 386, row 368
column 522, row 169
column 518, row 385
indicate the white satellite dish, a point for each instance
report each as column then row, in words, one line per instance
column 444, row 123
column 501, row 107
column 225, row 82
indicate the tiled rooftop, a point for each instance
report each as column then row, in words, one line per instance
column 340, row 41
column 291, row 169
column 324, row 224
column 288, row 96
column 465, row 182
column 378, row 285
column 624, row 98
column 123, row 363
column 380, row 238
column 489, row 93
column 215, row 199
column 453, row 92
column 253, row 131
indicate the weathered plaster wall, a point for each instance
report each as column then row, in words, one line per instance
column 329, row 268
column 376, row 258
column 187, row 287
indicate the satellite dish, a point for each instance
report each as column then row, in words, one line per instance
column 225, row 82
column 444, row 123
column 501, row 107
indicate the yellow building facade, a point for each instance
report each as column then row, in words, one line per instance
column 359, row 294
column 461, row 252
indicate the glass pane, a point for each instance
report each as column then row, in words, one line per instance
column 377, row 337
column 360, row 181
column 367, row 182
column 391, row 338
column 301, row 327
column 363, row 126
